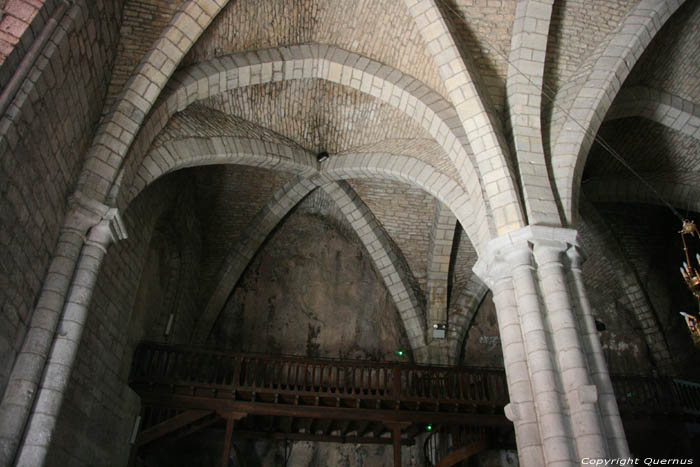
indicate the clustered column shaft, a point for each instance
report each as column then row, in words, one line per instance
column 551, row 351
column 41, row 372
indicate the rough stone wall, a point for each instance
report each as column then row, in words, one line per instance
column 482, row 346
column 311, row 291
column 15, row 18
column 650, row 240
column 226, row 202
column 99, row 409
column 43, row 137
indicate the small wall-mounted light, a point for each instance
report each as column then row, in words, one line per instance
column 439, row 330
column 399, row 353
column 135, row 430
column 169, row 326
column 322, row 156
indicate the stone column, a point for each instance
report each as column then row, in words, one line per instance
column 57, row 372
column 553, row 379
column 521, row 409
column 83, row 213
column 612, row 423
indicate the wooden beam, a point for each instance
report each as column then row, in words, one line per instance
column 318, row 438
column 195, row 427
column 396, row 429
column 168, row 426
column 461, row 454
column 227, row 443
column 223, row 406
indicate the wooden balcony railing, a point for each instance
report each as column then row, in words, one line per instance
column 359, row 384
column 647, row 395
column 262, row 378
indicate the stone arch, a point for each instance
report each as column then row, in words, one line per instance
column 407, row 94
column 195, row 151
column 475, row 115
column 442, row 237
column 524, row 88
column 663, row 108
column 581, row 106
column 415, row 172
column 118, row 129
column 354, row 166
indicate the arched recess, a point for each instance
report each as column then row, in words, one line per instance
column 324, row 62
column 580, row 107
column 461, row 314
column 383, row 254
column 382, row 166
column 387, row 259
column 284, row 199
column 632, row 286
column 666, row 109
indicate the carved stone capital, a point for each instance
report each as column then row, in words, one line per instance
column 83, row 213
column 503, row 254
column 109, row 229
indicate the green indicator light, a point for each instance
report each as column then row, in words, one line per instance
column 399, row 353
column 429, row 427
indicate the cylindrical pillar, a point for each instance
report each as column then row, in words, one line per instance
column 581, row 395
column 611, row 421
column 555, row 430
column 521, row 409
column 25, row 377
column 56, row 375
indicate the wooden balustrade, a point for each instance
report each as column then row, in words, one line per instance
column 235, row 374
column 374, row 385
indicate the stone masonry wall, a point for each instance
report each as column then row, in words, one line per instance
column 319, row 295
column 15, row 18
column 99, row 409
column 43, row 137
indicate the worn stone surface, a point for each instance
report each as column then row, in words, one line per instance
column 319, row 297
column 482, row 346
column 43, row 142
